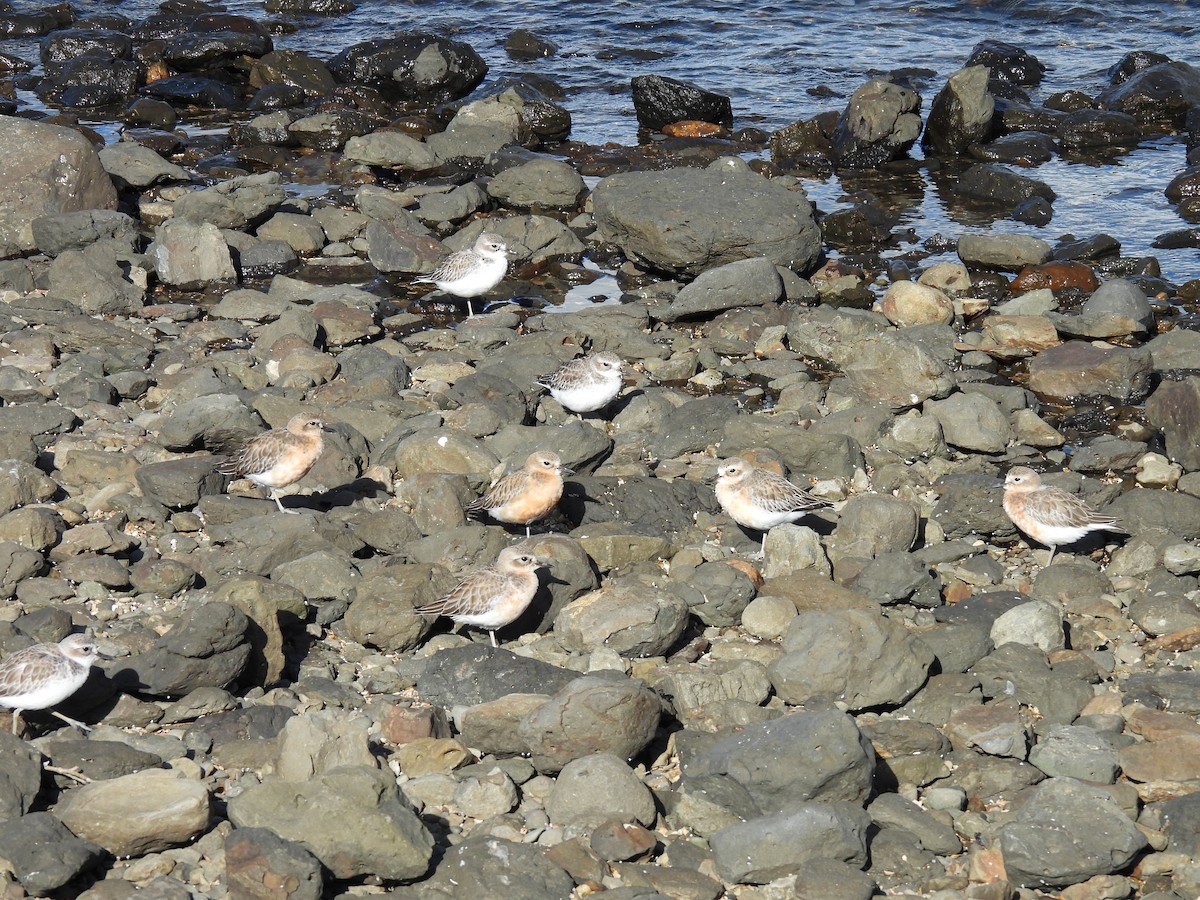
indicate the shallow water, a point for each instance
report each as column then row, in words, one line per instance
column 769, row 57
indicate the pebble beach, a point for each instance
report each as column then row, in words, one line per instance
column 208, row 232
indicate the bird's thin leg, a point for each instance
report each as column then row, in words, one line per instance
column 494, row 644
column 16, row 717
column 70, row 721
column 470, row 311
column 1050, row 558
column 282, row 509
column 528, row 533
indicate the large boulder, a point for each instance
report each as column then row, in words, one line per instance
column 45, row 170
column 683, row 221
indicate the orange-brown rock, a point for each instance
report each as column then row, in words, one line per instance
column 1055, row 275
column 692, row 128
column 156, row 71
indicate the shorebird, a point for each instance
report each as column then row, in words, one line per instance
column 40, row 676
column 526, row 495
column 1048, row 514
column 760, row 499
column 587, row 383
column 493, row 596
column 279, row 457
column 469, row 273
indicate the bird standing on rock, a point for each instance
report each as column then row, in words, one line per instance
column 493, row 596
column 279, row 457
column 526, row 495
column 40, row 676
column 587, row 383
column 759, row 498
column 469, row 273
column 1048, row 514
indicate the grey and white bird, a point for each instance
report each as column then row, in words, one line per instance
column 759, row 498
column 469, row 273
column 43, row 675
column 587, row 383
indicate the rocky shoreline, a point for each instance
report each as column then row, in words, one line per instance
column 896, row 699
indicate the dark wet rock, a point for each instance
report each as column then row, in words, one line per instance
column 1174, row 408
column 269, row 128
column 838, row 761
column 145, row 812
column 256, row 859
column 208, row 647
column 961, row 114
column 391, row 841
column 1008, row 62
column 1001, row 186
column 763, row 849
column 467, row 676
column 822, row 660
column 684, row 221
column 92, row 80
column 44, row 855
column 293, row 68
column 660, row 101
column 195, row 90
column 1041, row 849
column 329, row 129
column 1027, row 148
column 1078, row 369
column 880, row 124
column 591, row 715
column 412, row 66
column 48, row 170
column 475, row 866
column 599, row 788
column 524, row 44
column 1095, row 129
column 1158, row 96
column 747, row 282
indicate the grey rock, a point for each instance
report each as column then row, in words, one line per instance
column 487, row 795
column 1076, row 751
column 530, row 239
column 765, row 758
column 233, row 203
column 880, row 123
column 694, row 691
column 896, row 371
column 972, row 505
column 491, row 727
column 390, row 841
column 895, row 577
column 382, row 612
column 1117, row 308
column 826, row 658
column 1148, row 510
column 804, row 453
column 715, row 593
column 1042, row 847
column 771, row 847
column 50, row 170
column 208, row 647
column 1038, row 623
column 694, row 426
column 474, row 867
column 591, row 715
column 961, row 114
column 467, row 676
column 392, row 150
column 138, row 166
column 746, row 282
column 180, row 483
column 684, row 221
column 598, row 788
column 972, row 422
column 873, row 524
column 257, row 859
column 93, row 280
column 22, row 484
column 76, row 230
column 541, row 182
column 1174, row 408
column 1176, row 349
column 44, row 855
column 216, row 421
column 20, row 776
column 631, row 619
column 189, row 255
column 1079, row 369
column 135, row 814
column 1010, row 252
column 302, row 233
column 792, row 548
column 934, row 835
column 321, row 742
column 1022, row 674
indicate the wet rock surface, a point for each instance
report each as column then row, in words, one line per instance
column 897, row 696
